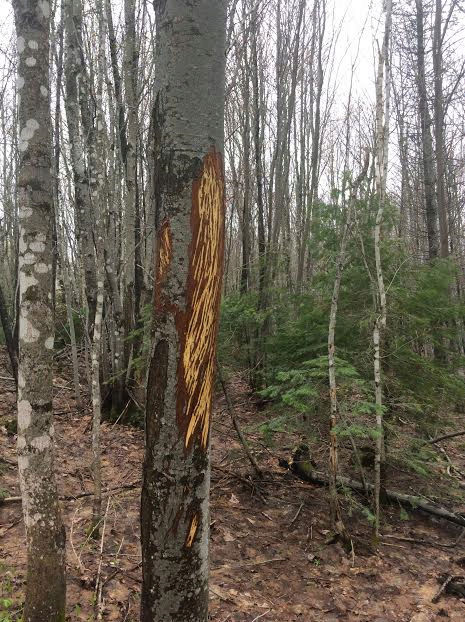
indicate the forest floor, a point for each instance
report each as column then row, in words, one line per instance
column 269, row 559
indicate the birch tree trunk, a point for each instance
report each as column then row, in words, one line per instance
column 45, row 589
column 189, row 195
column 98, row 198
column 382, row 146
column 335, row 511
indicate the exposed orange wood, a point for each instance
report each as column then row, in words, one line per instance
column 197, row 363
column 192, row 531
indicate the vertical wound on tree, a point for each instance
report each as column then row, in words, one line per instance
column 164, row 254
column 192, row 531
column 197, row 362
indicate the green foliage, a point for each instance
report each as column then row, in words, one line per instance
column 8, row 611
column 282, row 423
column 356, row 430
column 301, row 392
column 403, row 515
column 240, row 322
column 5, row 609
column 299, row 388
column 416, row 456
column 420, row 353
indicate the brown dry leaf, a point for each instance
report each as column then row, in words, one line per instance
column 228, row 537
column 422, row 617
column 219, row 593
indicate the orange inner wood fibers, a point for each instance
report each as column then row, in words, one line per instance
column 192, row 531
column 164, row 254
column 204, row 295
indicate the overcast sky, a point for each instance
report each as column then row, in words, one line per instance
column 360, row 27
column 360, row 19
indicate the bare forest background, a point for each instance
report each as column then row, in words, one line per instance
column 343, row 309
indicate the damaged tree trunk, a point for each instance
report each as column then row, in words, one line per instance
column 46, row 587
column 189, row 196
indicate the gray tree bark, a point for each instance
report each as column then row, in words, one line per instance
column 442, row 197
column 82, row 210
column 189, row 195
column 7, row 332
column 427, row 142
column 46, row 588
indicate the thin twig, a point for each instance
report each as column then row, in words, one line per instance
column 296, row 515
column 123, row 412
column 80, row 495
column 236, row 425
column 261, row 615
column 426, row 542
column 437, row 596
column 98, row 582
column 78, row 557
column 451, row 465
column 445, row 437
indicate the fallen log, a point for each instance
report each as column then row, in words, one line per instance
column 410, row 500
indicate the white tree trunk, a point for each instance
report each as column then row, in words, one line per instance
column 382, row 145
column 46, row 588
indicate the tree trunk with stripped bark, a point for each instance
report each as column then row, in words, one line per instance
column 189, row 195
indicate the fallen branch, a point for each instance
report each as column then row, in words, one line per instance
column 236, row 425
column 446, row 436
column 81, row 495
column 296, row 516
column 451, row 465
column 443, row 587
column 55, row 384
column 249, row 482
column 427, row 542
column 410, row 500
column 7, row 461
